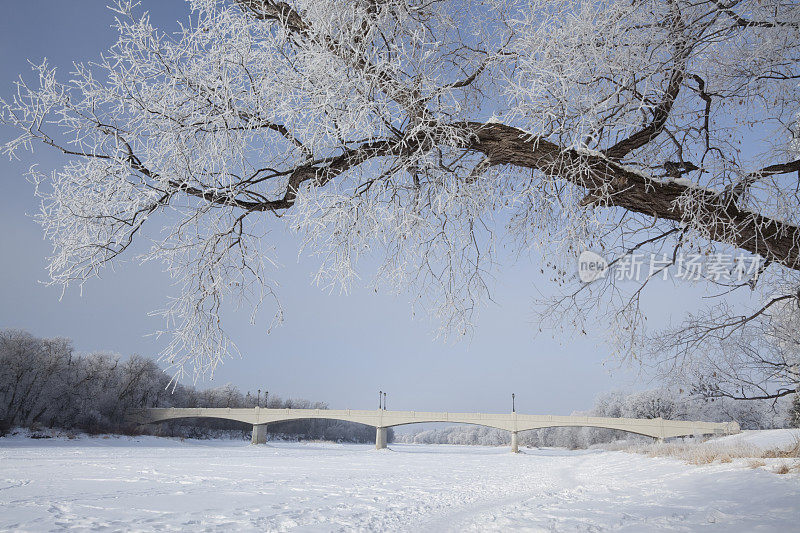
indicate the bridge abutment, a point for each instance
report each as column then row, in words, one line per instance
column 514, row 442
column 259, row 434
column 380, row 438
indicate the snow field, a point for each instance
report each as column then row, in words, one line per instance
column 151, row 483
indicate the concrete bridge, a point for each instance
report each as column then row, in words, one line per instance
column 382, row 419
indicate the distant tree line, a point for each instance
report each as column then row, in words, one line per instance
column 44, row 383
column 668, row 404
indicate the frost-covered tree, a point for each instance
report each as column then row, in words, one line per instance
column 719, row 353
column 794, row 413
column 420, row 132
column 44, row 383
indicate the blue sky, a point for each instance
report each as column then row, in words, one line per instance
column 335, row 348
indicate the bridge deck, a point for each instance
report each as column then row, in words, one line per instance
column 514, row 422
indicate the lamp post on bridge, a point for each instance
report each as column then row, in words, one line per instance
column 380, row 430
column 514, row 438
column 266, row 395
column 259, row 429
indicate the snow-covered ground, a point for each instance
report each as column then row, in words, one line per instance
column 768, row 439
column 151, row 483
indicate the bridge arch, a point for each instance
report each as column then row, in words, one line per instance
column 522, row 429
column 246, row 418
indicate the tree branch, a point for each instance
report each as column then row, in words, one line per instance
column 661, row 111
column 745, row 183
column 774, row 239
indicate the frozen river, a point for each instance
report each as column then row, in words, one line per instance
column 160, row 484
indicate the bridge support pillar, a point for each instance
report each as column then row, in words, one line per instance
column 259, row 434
column 380, row 438
column 514, row 442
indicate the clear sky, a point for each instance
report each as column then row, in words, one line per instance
column 334, row 348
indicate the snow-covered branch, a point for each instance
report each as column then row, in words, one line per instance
column 420, row 132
